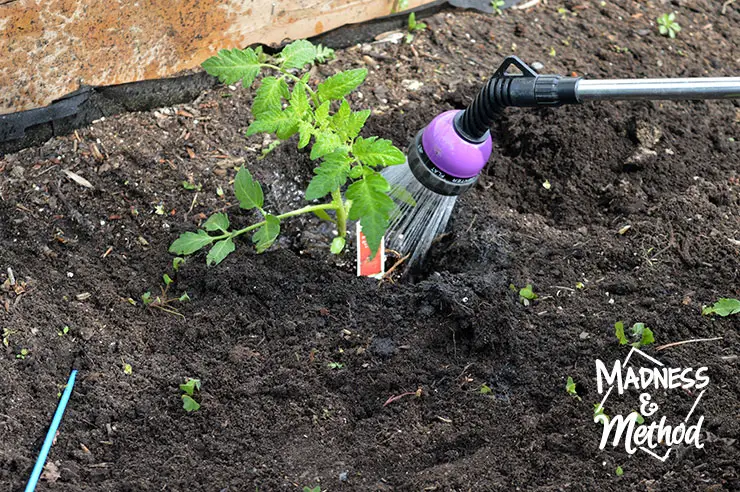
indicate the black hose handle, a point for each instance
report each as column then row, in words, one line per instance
column 505, row 90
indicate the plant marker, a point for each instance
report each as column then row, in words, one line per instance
column 41, row 461
column 367, row 267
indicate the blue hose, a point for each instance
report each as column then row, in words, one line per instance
column 41, row 461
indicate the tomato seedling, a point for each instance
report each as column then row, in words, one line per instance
column 188, row 389
column 642, row 333
column 286, row 104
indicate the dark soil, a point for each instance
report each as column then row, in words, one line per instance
column 261, row 329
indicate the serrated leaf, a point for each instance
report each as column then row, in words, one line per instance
column 217, row 222
column 266, row 235
column 297, row 54
column 377, row 152
column 723, row 307
column 324, row 54
column 330, row 175
column 326, row 143
column 269, row 96
column 287, row 124
column 190, row 242
column 283, row 123
column 232, row 65
column 322, row 113
column 305, row 130
column 372, row 206
column 337, row 245
column 356, row 172
column 247, row 190
column 619, row 332
column 340, row 118
column 189, row 404
column 299, row 100
column 339, row 85
column 219, row 251
column 355, row 122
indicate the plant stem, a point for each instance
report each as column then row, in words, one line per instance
column 314, row 97
column 292, row 213
column 341, row 212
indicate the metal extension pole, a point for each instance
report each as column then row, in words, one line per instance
column 654, row 89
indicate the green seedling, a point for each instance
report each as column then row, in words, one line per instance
column 191, row 186
column 127, row 369
column 413, row 27
column 526, row 294
column 324, row 54
column 312, row 489
column 639, row 331
column 723, row 307
column 159, row 209
column 570, row 387
column 599, row 414
column 485, row 390
column 619, row 471
column 667, row 25
column 497, row 5
column 177, row 262
column 335, row 365
column 189, row 388
column 63, row 331
column 322, row 118
column 163, row 301
column 6, row 336
column 23, row 354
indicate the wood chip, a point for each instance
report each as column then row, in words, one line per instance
column 78, row 179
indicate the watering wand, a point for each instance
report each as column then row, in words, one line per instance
column 447, row 156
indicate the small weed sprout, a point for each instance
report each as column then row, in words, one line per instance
column 526, row 294
column 497, row 5
column 6, row 336
column 23, row 354
column 619, row 471
column 413, row 27
column 312, row 489
column 639, row 331
column 570, row 387
column 320, row 114
column 723, row 307
column 335, row 365
column 63, row 331
column 188, row 403
column 667, row 25
column 599, row 416
column 485, row 390
column 163, row 301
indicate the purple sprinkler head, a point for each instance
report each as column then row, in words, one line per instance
column 445, row 162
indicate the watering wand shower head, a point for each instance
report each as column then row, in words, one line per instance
column 447, row 156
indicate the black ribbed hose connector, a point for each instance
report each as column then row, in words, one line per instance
column 504, row 90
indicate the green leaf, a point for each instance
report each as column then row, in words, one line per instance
column 377, row 152
column 372, row 205
column 283, row 123
column 217, row 222
column 640, row 419
column 190, row 385
column 305, row 130
column 619, row 332
column 570, row 386
column 324, row 54
column 247, row 190
column 231, row 65
column 266, row 235
column 723, row 307
column 326, row 143
column 337, row 245
column 339, row 85
column 355, row 122
column 299, row 101
column 619, row 471
column 321, row 214
column 646, row 338
column 412, row 21
column 166, row 279
column 190, row 242
column 330, row 175
column 177, row 262
column 189, row 404
column 322, row 113
column 219, row 251
column 485, row 390
column 297, row 54
column 356, row 172
column 340, row 118
column 527, row 293
column 269, row 96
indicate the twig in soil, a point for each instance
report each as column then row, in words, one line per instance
column 683, row 342
column 725, row 5
column 390, row 400
column 387, row 275
column 525, row 5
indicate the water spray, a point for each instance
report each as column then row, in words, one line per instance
column 448, row 155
